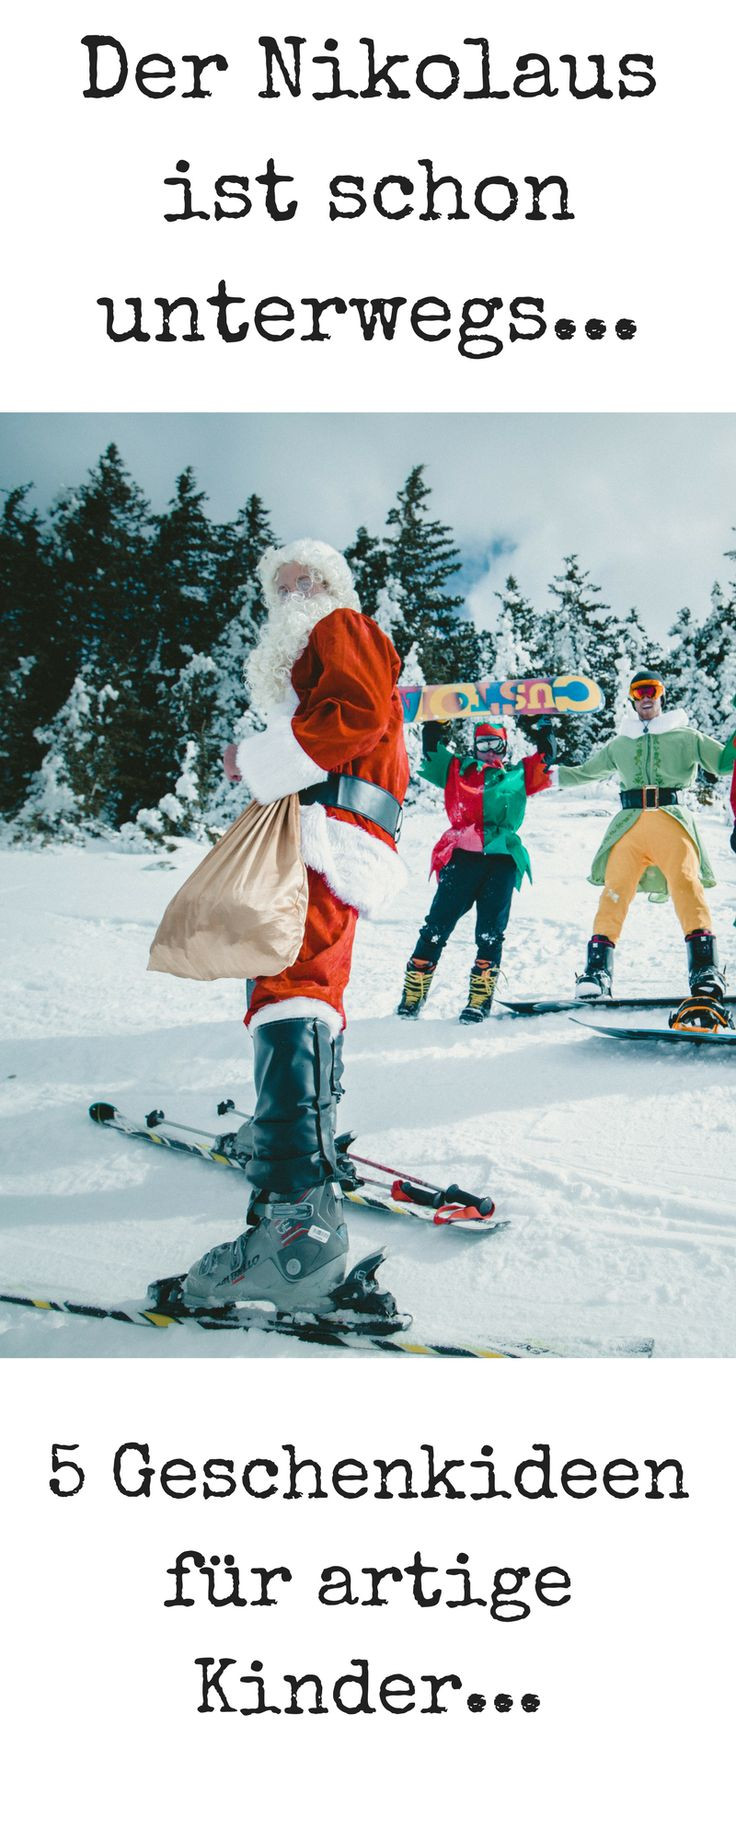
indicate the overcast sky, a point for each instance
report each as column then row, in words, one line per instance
column 647, row 501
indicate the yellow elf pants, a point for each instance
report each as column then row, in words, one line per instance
column 657, row 839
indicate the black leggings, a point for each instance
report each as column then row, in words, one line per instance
column 468, row 880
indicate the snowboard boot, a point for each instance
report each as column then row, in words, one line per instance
column 597, row 978
column 704, row 973
column 483, row 980
column 417, row 981
column 293, row 1250
column 704, row 1009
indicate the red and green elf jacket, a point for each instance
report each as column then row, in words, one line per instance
column 485, row 805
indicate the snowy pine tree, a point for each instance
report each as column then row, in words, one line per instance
column 716, row 657
column 635, row 653
column 423, row 558
column 100, row 552
column 185, row 557
column 33, row 646
column 183, row 811
column 232, row 716
column 516, row 634
column 580, row 637
column 240, row 546
column 368, row 560
column 388, row 614
column 100, row 547
column 682, row 667
column 69, row 795
column 418, row 792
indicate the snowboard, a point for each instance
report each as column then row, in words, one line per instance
column 567, row 695
column 701, row 1038
column 548, row 1006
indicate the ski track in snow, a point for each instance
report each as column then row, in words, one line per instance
column 612, row 1159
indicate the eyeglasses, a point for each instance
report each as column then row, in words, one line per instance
column 302, row 585
column 644, row 692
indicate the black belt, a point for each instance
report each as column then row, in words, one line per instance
column 645, row 798
column 346, row 792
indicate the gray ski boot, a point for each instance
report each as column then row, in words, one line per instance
column 292, row 1254
column 293, row 1251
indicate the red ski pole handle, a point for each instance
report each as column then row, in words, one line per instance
column 416, row 1191
column 483, row 1203
column 449, row 1203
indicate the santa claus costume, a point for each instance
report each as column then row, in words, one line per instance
column 324, row 675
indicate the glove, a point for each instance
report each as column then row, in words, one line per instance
column 431, row 736
column 230, row 764
column 546, row 743
column 732, row 839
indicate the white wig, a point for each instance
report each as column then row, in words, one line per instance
column 285, row 633
column 321, row 560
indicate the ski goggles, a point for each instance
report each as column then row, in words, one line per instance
column 495, row 745
column 646, row 689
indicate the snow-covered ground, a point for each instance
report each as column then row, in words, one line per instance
column 615, row 1161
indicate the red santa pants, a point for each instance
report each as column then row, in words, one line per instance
column 320, row 974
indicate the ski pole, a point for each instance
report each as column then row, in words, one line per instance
column 154, row 1118
column 454, row 1202
column 483, row 1203
column 450, row 1204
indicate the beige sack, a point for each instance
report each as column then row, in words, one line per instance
column 243, row 911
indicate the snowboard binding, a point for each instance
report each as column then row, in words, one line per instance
column 700, row 1014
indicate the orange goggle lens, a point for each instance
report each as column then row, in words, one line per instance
column 651, row 688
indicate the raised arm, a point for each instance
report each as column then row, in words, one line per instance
column 599, row 765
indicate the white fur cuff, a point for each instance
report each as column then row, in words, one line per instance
column 273, row 763
column 282, row 1009
column 360, row 869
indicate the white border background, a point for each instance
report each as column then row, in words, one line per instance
column 634, row 1675
column 650, row 185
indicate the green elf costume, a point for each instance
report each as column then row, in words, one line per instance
column 479, row 860
column 653, row 844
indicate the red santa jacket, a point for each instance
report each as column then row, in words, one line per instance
column 345, row 716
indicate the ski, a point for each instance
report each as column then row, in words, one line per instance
column 570, row 695
column 682, row 1038
column 543, row 1006
column 445, row 1207
column 324, row 1333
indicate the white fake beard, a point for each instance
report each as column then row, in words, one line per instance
column 283, row 639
